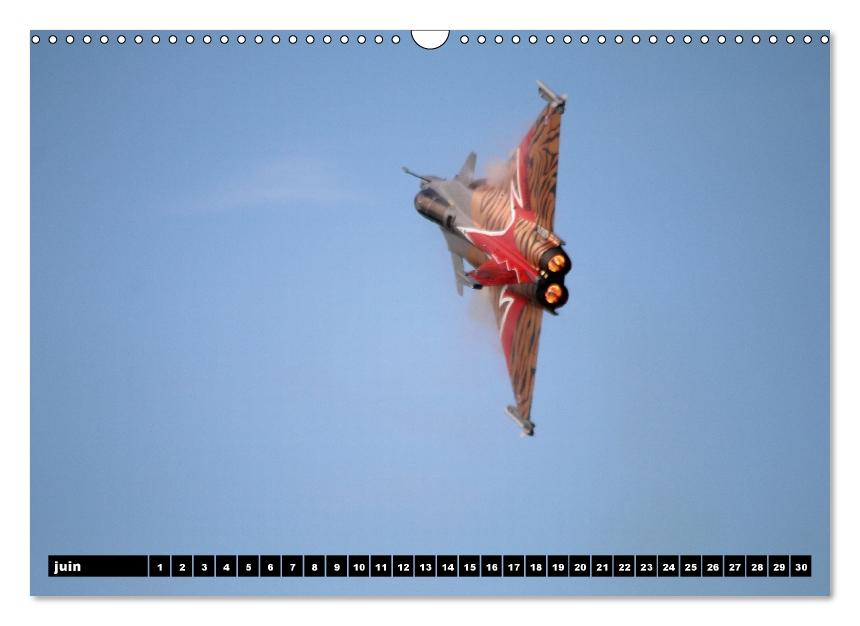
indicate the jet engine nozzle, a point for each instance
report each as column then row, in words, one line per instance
column 555, row 261
column 552, row 295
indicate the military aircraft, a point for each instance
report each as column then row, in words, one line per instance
column 503, row 228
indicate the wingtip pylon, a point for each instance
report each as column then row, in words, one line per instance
column 552, row 97
column 523, row 422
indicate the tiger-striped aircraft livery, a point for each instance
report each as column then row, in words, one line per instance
column 503, row 228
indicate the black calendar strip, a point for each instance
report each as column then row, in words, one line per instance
column 430, row 565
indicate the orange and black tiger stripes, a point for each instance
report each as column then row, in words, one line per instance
column 491, row 207
column 531, row 244
column 491, row 210
column 542, row 162
column 523, row 358
column 491, row 204
column 514, row 308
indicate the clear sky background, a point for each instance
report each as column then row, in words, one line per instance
column 246, row 340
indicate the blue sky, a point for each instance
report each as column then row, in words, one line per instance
column 245, row 339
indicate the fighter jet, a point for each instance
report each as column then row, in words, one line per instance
column 503, row 228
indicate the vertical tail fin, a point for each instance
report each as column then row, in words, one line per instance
column 467, row 173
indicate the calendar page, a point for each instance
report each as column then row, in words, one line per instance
column 482, row 313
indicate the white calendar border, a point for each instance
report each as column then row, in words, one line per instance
column 14, row 247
